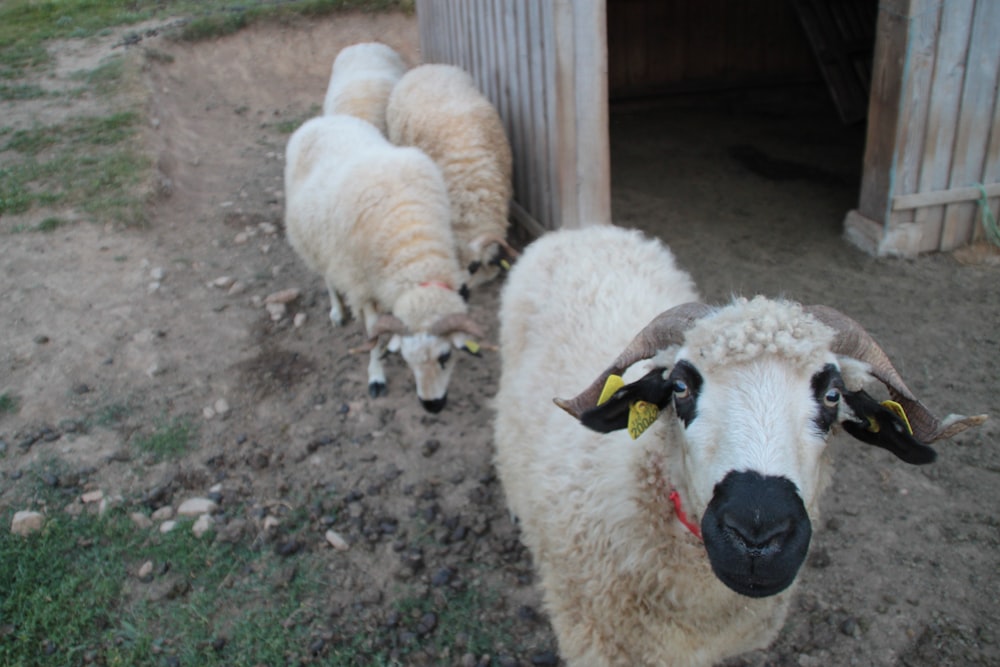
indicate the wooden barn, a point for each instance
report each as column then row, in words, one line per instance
column 919, row 76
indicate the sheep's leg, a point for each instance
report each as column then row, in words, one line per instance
column 376, row 373
column 336, row 305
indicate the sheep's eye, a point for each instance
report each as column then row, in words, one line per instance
column 681, row 390
column 831, row 398
column 443, row 359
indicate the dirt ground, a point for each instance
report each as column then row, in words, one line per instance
column 904, row 570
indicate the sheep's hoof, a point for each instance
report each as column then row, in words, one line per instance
column 376, row 389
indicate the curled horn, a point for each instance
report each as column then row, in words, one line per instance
column 385, row 324
column 852, row 340
column 665, row 330
column 456, row 323
column 488, row 239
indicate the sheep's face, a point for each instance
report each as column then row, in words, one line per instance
column 753, row 437
column 750, row 398
column 432, row 360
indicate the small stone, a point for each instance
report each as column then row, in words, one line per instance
column 92, row 496
column 81, row 388
column 41, row 339
column 204, row 524
column 140, row 520
column 196, row 507
column 223, row 282
column 545, row 659
column 268, row 228
column 276, row 310
column 26, row 522
column 164, row 513
column 271, row 522
column 442, row 577
column 299, row 320
column 237, row 288
column 207, row 412
column 153, row 286
column 336, row 540
column 283, row 296
column 167, row 526
column 145, row 572
column 158, row 273
column 221, row 407
column 241, row 238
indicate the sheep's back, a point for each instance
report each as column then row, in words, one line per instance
column 438, row 109
column 361, row 80
column 367, row 215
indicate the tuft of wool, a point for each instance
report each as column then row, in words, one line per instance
column 748, row 329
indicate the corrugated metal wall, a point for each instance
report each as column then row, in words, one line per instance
column 543, row 64
column 933, row 128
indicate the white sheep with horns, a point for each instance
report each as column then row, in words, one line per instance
column 439, row 109
column 361, row 79
column 682, row 547
column 372, row 219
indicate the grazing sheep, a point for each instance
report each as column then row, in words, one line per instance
column 438, row 109
column 680, row 548
column 372, row 218
column 361, row 80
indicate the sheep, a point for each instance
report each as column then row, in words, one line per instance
column 438, row 109
column 372, row 219
column 361, row 79
column 683, row 547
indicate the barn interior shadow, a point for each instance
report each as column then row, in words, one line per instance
column 761, row 176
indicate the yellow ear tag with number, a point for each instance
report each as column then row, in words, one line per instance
column 472, row 346
column 641, row 416
column 505, row 265
column 611, row 385
column 900, row 412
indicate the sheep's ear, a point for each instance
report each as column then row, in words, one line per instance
column 884, row 425
column 613, row 413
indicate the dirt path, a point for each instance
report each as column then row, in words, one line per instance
column 905, row 571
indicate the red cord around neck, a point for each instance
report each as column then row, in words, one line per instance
column 675, row 498
column 437, row 283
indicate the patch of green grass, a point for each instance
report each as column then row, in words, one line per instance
column 8, row 403
column 90, row 163
column 171, row 438
column 104, row 79
column 50, row 224
column 111, row 414
column 20, row 92
column 69, row 596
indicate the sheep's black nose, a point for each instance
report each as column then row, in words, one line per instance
column 756, row 532
column 434, row 405
column 750, row 532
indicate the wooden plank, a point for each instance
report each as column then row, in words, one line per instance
column 976, row 116
column 991, row 171
column 526, row 182
column 940, row 197
column 943, row 94
column 591, row 147
column 564, row 129
column 539, row 112
column 914, row 104
column 880, row 142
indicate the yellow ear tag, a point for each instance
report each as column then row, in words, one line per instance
column 900, row 412
column 505, row 265
column 472, row 346
column 611, row 385
column 641, row 416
